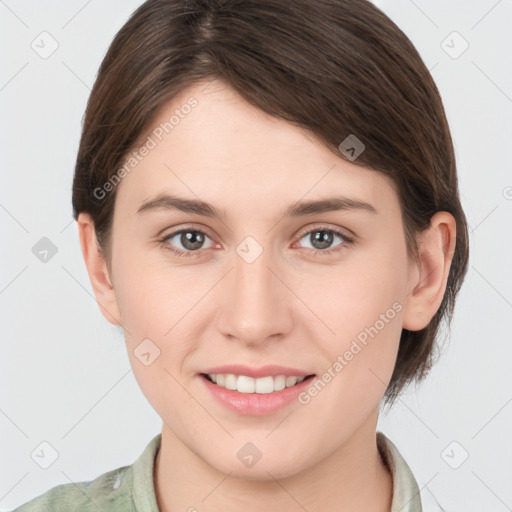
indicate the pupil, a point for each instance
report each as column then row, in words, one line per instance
column 192, row 240
column 322, row 239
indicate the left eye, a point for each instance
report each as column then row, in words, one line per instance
column 322, row 239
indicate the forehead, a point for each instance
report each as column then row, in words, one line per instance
column 209, row 143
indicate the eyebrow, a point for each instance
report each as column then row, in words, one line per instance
column 301, row 208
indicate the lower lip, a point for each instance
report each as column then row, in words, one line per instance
column 256, row 404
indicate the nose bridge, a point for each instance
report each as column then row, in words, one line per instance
column 256, row 304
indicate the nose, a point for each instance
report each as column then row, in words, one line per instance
column 256, row 303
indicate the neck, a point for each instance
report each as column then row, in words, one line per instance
column 354, row 478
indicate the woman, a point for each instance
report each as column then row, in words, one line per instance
column 267, row 203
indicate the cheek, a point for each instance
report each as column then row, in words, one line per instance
column 161, row 314
column 156, row 310
column 359, row 357
column 152, row 296
column 351, row 298
column 362, row 308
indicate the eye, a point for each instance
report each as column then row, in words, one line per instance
column 190, row 242
column 186, row 242
column 322, row 238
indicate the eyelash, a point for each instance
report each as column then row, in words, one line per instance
column 187, row 254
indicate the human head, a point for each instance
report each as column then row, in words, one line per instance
column 333, row 68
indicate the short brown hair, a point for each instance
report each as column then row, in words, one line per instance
column 333, row 67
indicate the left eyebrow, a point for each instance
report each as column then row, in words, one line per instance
column 301, row 208
column 328, row 205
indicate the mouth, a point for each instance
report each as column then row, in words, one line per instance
column 255, row 391
column 249, row 385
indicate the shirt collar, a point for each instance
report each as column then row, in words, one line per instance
column 406, row 493
column 143, row 488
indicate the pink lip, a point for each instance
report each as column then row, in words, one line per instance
column 255, row 404
column 264, row 371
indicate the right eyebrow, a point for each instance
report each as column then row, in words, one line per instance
column 170, row 202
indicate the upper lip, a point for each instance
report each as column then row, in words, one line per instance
column 263, row 371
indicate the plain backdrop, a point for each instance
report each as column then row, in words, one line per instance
column 65, row 375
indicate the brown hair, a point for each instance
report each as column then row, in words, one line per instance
column 334, row 67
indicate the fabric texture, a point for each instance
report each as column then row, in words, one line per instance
column 131, row 488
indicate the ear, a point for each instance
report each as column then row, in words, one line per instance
column 97, row 270
column 429, row 276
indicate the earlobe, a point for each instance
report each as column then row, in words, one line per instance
column 429, row 276
column 97, row 269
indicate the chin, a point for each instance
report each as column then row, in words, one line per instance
column 264, row 469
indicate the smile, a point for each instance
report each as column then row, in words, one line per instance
column 261, row 385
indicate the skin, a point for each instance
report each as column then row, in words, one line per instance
column 291, row 306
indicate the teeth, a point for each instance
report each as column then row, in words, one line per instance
column 246, row 384
column 262, row 385
column 231, row 382
column 291, row 381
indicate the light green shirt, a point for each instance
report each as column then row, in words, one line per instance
column 131, row 488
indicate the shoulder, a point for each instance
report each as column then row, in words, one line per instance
column 110, row 491
column 125, row 489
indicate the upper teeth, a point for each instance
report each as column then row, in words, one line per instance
column 245, row 384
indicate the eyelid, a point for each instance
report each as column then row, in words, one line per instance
column 350, row 235
column 190, row 227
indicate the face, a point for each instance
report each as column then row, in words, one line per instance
column 319, row 290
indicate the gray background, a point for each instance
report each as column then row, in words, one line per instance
column 65, row 373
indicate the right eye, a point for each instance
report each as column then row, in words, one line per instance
column 191, row 241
